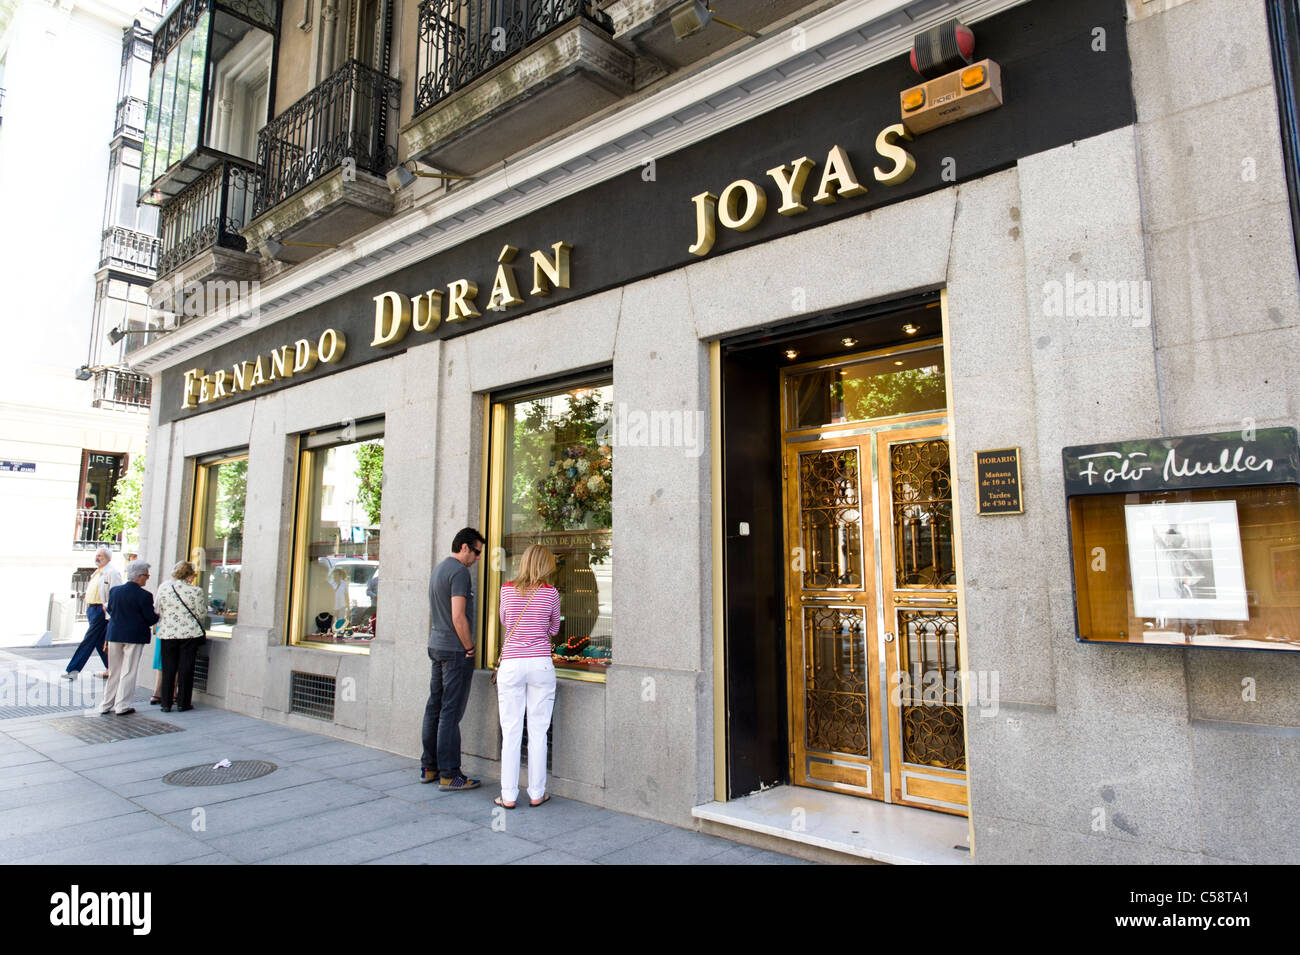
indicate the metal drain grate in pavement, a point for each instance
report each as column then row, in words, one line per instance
column 17, row 712
column 241, row 770
column 110, row 729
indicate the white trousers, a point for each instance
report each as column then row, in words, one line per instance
column 525, row 685
column 123, row 666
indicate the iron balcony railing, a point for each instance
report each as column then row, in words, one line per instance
column 115, row 388
column 130, row 118
column 343, row 118
column 126, row 249
column 90, row 533
column 209, row 212
column 460, row 40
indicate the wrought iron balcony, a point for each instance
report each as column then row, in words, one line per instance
column 123, row 390
column 125, row 249
column 130, row 118
column 89, row 533
column 209, row 212
column 344, row 118
column 460, row 40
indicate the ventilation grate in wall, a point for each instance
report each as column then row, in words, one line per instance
column 201, row 673
column 312, row 695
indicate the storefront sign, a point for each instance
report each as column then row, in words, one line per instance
column 837, row 152
column 1228, row 459
column 997, row 482
column 395, row 314
column 281, row 363
column 23, row 467
column 838, row 180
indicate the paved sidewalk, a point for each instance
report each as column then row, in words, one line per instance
column 67, row 801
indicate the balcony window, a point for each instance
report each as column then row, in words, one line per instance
column 334, row 599
column 118, row 304
column 121, row 209
column 209, row 90
column 133, row 83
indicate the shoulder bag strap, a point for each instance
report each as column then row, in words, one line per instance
column 502, row 649
column 203, row 631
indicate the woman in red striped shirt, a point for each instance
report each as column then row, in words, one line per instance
column 530, row 612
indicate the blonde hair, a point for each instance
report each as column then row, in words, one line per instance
column 184, row 570
column 535, row 567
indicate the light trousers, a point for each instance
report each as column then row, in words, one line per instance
column 123, row 666
column 524, row 686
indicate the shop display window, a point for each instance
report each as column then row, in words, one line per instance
column 1211, row 567
column 551, row 483
column 217, row 537
column 335, row 594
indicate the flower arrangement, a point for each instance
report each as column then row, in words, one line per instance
column 578, row 486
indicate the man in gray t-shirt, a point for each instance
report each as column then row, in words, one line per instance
column 451, row 653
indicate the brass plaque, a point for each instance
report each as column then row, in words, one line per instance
column 997, row 482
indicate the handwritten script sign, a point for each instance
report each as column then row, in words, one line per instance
column 1228, row 459
column 997, row 482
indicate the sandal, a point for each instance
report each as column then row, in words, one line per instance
column 504, row 805
column 546, row 798
column 154, row 700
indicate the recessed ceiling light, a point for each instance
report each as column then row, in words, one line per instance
column 848, row 342
column 791, row 354
column 911, row 329
column 898, row 362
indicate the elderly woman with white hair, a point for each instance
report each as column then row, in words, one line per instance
column 130, row 617
column 180, row 634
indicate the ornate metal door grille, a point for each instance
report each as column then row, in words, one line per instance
column 830, row 503
column 930, row 689
column 922, row 496
column 835, row 692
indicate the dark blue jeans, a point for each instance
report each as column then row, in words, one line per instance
column 92, row 641
column 448, row 695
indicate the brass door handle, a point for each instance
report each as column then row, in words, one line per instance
column 950, row 601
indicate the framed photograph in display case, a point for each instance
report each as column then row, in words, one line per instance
column 1185, row 560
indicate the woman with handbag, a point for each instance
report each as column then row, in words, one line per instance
column 525, row 678
column 180, row 634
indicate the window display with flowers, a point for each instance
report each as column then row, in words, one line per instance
column 552, row 484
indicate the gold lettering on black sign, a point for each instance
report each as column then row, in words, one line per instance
column 997, row 482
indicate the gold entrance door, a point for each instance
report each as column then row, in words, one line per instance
column 922, row 627
column 831, row 617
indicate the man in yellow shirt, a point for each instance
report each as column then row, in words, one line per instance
column 104, row 579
